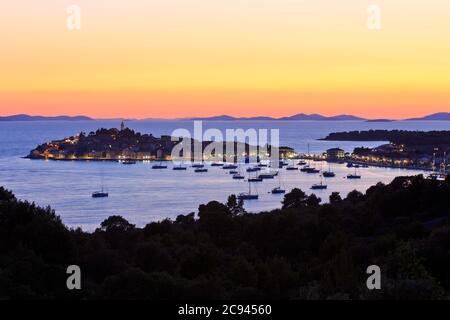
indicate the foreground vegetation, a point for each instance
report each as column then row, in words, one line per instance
column 303, row 251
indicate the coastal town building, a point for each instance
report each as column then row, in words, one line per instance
column 286, row 152
column 335, row 154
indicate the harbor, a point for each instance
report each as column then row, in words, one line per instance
column 140, row 192
column 429, row 164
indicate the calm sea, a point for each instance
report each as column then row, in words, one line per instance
column 142, row 195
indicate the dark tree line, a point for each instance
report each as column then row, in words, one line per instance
column 305, row 250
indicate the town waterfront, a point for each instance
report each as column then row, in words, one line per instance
column 141, row 194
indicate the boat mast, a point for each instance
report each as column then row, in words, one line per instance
column 279, row 180
column 309, row 159
column 102, row 177
column 434, row 162
column 443, row 165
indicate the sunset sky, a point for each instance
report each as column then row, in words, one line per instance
column 181, row 58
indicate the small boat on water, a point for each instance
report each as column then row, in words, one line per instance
column 201, row 170
column 237, row 174
column 305, row 168
column 262, row 165
column 246, row 196
column 291, row 168
column 278, row 190
column 319, row 186
column 308, row 169
column 229, row 167
column 128, row 162
column 198, row 165
column 312, row 170
column 253, row 169
column 257, row 179
column 100, row 194
column 301, row 163
column 268, row 175
column 159, row 166
column 179, row 168
column 216, row 164
column 329, row 173
column 353, row 176
column 249, row 195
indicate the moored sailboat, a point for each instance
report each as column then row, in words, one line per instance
column 329, row 173
column 159, row 166
column 179, row 167
column 353, row 176
column 319, row 186
column 249, row 195
column 101, row 193
column 229, row 167
column 278, row 189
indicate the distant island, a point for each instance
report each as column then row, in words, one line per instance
column 423, row 138
column 297, row 117
column 440, row 116
column 125, row 144
column 105, row 144
column 26, row 117
column 380, row 120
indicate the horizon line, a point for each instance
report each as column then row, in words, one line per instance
column 217, row 116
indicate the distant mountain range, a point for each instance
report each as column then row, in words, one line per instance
column 297, row 117
column 441, row 116
column 318, row 117
column 26, row 117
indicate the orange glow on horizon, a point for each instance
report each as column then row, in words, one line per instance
column 175, row 59
column 183, row 104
